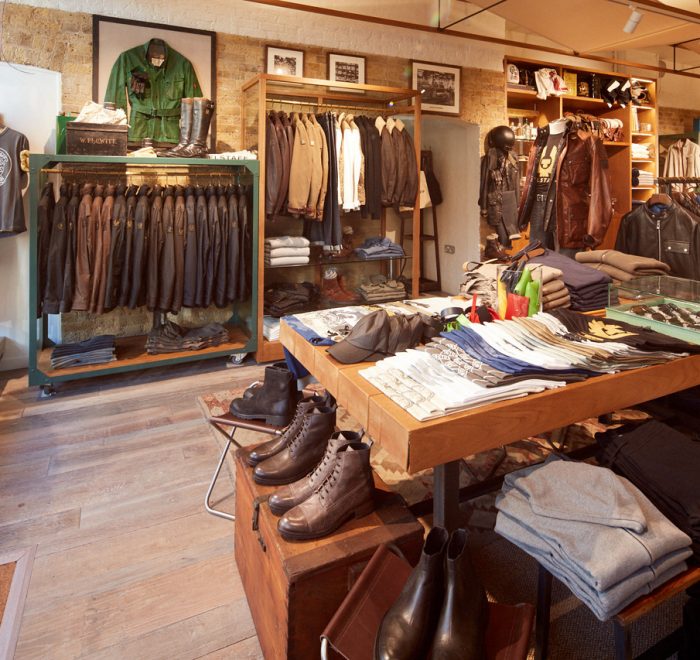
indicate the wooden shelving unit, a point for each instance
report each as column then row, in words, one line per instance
column 266, row 92
column 524, row 103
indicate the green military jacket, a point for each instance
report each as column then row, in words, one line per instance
column 155, row 113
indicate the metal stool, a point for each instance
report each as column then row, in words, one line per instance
column 232, row 422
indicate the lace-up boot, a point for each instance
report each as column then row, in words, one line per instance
column 289, row 496
column 302, row 453
column 346, row 493
column 268, row 449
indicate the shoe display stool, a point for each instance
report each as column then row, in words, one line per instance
column 294, row 588
column 351, row 632
column 227, row 425
column 622, row 620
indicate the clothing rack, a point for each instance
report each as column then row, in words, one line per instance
column 669, row 180
column 345, row 106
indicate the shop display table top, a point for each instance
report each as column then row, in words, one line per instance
column 441, row 442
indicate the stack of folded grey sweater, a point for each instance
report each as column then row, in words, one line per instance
column 95, row 350
column 287, row 251
column 592, row 529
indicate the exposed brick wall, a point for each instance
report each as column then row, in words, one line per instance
column 676, row 120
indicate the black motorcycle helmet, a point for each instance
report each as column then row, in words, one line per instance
column 501, row 137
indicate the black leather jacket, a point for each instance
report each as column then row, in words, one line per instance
column 499, row 193
column 671, row 236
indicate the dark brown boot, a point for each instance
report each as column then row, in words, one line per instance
column 408, row 627
column 289, row 496
column 268, row 449
column 202, row 112
column 274, row 402
column 346, row 493
column 185, row 130
column 303, row 452
column 494, row 250
column 461, row 629
column 331, row 291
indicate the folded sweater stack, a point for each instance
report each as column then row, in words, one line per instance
column 642, row 177
column 554, row 291
column 593, row 530
column 381, row 291
column 620, row 266
column 588, row 288
column 379, row 248
column 95, row 350
column 287, row 251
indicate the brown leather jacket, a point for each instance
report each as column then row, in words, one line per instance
column 582, row 199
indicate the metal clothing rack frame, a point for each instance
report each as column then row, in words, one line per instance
column 668, row 181
column 241, row 325
column 265, row 90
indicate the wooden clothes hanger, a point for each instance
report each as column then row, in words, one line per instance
column 660, row 198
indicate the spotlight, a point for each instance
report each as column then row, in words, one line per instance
column 632, row 21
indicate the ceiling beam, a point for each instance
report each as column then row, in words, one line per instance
column 468, row 16
column 378, row 20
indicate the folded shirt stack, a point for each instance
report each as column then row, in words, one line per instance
column 593, row 530
column 95, row 350
column 379, row 248
column 640, row 150
column 588, row 288
column 642, row 177
column 554, row 291
column 287, row 251
column 271, row 328
column 664, row 464
column 380, row 290
column 620, row 266
column 289, row 298
column 171, row 338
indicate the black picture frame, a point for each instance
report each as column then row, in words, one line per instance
column 201, row 52
column 439, row 85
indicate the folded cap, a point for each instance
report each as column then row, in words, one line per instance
column 367, row 341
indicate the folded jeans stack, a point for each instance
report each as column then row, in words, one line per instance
column 622, row 267
column 289, row 298
column 664, row 464
column 95, row 350
column 554, row 291
column 287, row 251
column 381, row 289
column 588, row 288
column 169, row 337
column 379, row 248
column 593, row 530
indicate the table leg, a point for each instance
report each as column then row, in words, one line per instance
column 544, row 602
column 446, row 496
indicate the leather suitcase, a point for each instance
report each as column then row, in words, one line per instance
column 294, row 588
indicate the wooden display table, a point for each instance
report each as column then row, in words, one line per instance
column 440, row 443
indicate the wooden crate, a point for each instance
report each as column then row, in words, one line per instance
column 294, row 589
column 86, row 139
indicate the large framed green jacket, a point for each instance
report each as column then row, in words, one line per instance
column 155, row 113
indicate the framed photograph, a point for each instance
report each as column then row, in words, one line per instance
column 346, row 68
column 284, row 62
column 439, row 87
column 112, row 37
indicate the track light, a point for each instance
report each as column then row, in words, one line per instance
column 633, row 20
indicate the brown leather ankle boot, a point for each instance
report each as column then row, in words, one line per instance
column 346, row 493
column 302, row 454
column 274, row 402
column 289, row 496
column 494, row 250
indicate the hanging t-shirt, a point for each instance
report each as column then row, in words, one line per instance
column 12, row 181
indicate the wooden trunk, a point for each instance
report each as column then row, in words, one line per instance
column 294, row 589
column 96, row 139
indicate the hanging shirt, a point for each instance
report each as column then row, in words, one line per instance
column 12, row 181
column 154, row 92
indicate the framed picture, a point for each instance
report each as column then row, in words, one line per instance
column 346, row 68
column 284, row 62
column 113, row 36
column 439, row 87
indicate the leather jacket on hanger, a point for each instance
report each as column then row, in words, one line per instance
column 671, row 236
column 578, row 197
column 499, row 193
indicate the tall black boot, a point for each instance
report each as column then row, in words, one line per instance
column 185, row 130
column 407, row 629
column 203, row 111
column 274, row 402
column 461, row 629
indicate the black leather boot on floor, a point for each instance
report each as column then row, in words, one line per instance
column 274, row 402
column 464, row 617
column 407, row 629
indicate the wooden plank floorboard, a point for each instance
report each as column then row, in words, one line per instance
column 108, row 480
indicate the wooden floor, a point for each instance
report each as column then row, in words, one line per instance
column 108, row 479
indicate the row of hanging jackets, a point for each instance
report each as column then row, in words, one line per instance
column 101, row 247
column 318, row 165
column 682, row 160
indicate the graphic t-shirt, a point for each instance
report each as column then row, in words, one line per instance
column 12, row 181
column 546, row 169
